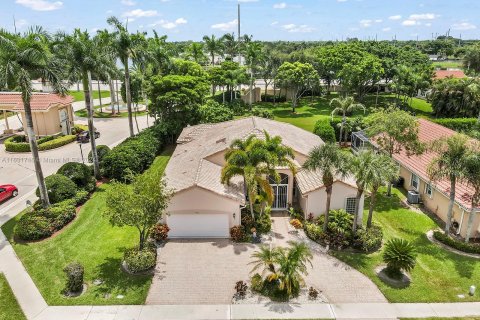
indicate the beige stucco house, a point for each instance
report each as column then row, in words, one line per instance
column 51, row 113
column 203, row 207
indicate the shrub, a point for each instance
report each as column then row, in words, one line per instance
column 459, row 124
column 79, row 128
column 16, row 144
column 238, row 107
column 313, row 231
column 80, row 197
column 246, row 219
column 74, row 273
column 368, row 240
column 56, row 143
column 33, row 227
column 273, row 98
column 339, row 228
column 312, row 293
column 102, row 151
column 59, row 188
column 213, row 112
column 159, row 232
column 237, row 233
column 399, row 254
column 139, row 260
column 241, row 288
column 264, row 223
column 459, row 245
column 256, row 282
column 79, row 173
column 353, row 124
column 324, row 130
column 59, row 214
column 263, row 113
column 297, row 224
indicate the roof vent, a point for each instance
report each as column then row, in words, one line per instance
column 223, row 140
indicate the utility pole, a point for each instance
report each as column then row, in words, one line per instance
column 238, row 30
column 14, row 24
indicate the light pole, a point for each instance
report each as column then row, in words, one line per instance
column 81, row 151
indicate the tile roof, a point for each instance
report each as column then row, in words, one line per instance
column 188, row 166
column 39, row 101
column 442, row 74
column 309, row 181
column 428, row 132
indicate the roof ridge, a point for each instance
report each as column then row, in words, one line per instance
column 197, row 175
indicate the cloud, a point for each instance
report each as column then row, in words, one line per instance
column 281, row 5
column 40, row 5
column 395, row 17
column 422, row 16
column 181, row 21
column 293, row 28
column 368, row 22
column 386, row 29
column 341, row 0
column 409, row 23
column 464, row 26
column 128, row 2
column 169, row 24
column 378, row 20
column 274, row 23
column 225, row 26
column 247, row 0
column 137, row 13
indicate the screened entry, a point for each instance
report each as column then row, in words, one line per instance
column 280, row 192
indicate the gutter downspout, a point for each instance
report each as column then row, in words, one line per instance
column 461, row 222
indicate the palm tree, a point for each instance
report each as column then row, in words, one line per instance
column 449, row 164
column 266, row 257
column 399, row 255
column 343, row 106
column 159, row 54
column 281, row 156
column 253, row 55
column 213, row 46
column 472, row 177
column 331, row 162
column 126, row 46
column 382, row 169
column 23, row 58
column 195, row 51
column 230, row 45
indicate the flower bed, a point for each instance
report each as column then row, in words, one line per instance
column 451, row 242
column 19, row 143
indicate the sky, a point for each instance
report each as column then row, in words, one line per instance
column 263, row 19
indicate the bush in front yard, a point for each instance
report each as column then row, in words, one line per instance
column 102, row 151
column 159, row 232
column 459, row 245
column 399, row 254
column 74, row 273
column 79, row 173
column 368, row 240
column 297, row 224
column 59, row 188
column 140, row 260
column 237, row 233
column 313, row 231
column 264, row 223
column 32, row 227
column 324, row 130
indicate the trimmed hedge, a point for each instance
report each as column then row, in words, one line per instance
column 140, row 260
column 263, row 113
column 59, row 188
column 19, row 144
column 270, row 98
column 79, row 173
column 461, row 246
column 324, row 130
column 459, row 124
column 102, row 151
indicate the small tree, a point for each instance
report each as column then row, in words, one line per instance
column 343, row 106
column 74, row 272
column 140, row 204
column 399, row 255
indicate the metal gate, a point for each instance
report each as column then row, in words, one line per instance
column 280, row 199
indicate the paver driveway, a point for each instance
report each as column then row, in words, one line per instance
column 205, row 271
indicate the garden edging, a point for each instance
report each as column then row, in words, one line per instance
column 432, row 239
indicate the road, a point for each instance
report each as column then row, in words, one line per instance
column 17, row 168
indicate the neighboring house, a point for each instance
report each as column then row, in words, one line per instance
column 202, row 207
column 442, row 74
column 51, row 113
column 435, row 195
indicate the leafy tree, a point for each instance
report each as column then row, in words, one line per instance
column 399, row 254
column 253, row 56
column 229, row 74
column 449, row 164
column 297, row 77
column 394, row 131
column 195, row 52
column 344, row 106
column 471, row 60
column 140, row 204
column 159, row 54
column 332, row 164
column 213, row 112
column 472, row 177
column 213, row 46
column 22, row 59
column 456, row 98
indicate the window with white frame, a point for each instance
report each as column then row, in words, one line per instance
column 415, row 182
column 428, row 190
column 350, row 205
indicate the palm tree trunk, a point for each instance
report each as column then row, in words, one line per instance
column 373, row 199
column 112, row 95
column 250, row 98
column 275, row 94
column 450, row 204
column 34, row 149
column 129, row 98
column 341, row 130
column 135, row 115
column 328, row 189
column 471, row 217
column 99, row 94
column 356, row 221
column 87, row 89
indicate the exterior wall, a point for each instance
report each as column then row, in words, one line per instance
column 198, row 200
column 217, row 158
column 47, row 123
column 438, row 204
column 256, row 96
column 314, row 202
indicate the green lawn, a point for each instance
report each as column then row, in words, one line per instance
column 448, row 64
column 439, row 275
column 79, row 96
column 91, row 240
column 98, row 114
column 9, row 308
column 311, row 110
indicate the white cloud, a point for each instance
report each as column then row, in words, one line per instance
column 386, row 29
column 395, row 17
column 341, row 0
column 409, row 23
column 293, row 28
column 428, row 24
column 464, row 26
column 281, row 5
column 247, row 0
column 366, row 23
column 109, row 11
column 422, row 16
column 137, row 13
column 128, row 2
column 40, row 5
column 274, row 23
column 181, row 21
column 378, row 20
column 169, row 24
column 225, row 26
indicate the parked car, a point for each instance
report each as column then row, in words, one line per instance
column 84, row 136
column 7, row 191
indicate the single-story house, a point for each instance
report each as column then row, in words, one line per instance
column 51, row 113
column 442, row 74
column 435, row 195
column 203, row 207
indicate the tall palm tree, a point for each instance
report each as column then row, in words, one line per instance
column 195, row 52
column 230, row 45
column 23, row 58
column 252, row 57
column 126, row 46
column 213, row 46
column 472, row 177
column 449, row 164
column 280, row 155
column 331, row 162
column 159, row 54
column 343, row 106
column 84, row 57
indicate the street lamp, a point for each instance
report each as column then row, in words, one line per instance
column 81, row 151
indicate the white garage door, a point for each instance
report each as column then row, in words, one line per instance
column 198, row 225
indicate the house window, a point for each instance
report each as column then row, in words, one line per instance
column 350, row 205
column 415, row 182
column 429, row 190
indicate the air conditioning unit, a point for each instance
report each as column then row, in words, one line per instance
column 413, row 197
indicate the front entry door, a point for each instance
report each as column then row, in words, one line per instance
column 280, row 196
column 64, row 123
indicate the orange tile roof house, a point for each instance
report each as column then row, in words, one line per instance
column 442, row 74
column 435, row 195
column 52, row 113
